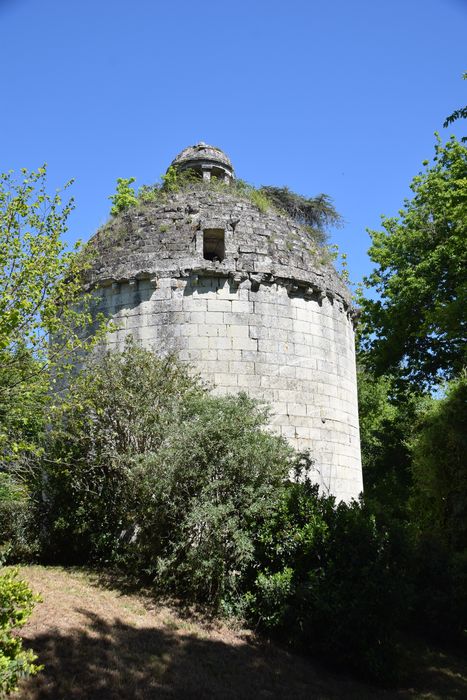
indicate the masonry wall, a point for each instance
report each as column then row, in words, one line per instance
column 295, row 353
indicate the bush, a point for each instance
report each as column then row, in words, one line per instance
column 124, row 197
column 329, row 580
column 147, row 470
column 16, row 520
column 214, row 477
column 439, row 579
column 16, row 605
column 117, row 410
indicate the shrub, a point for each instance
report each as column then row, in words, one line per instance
column 146, row 469
column 118, row 409
column 329, row 580
column 214, row 477
column 16, row 604
column 16, row 519
column 439, row 580
column 316, row 212
column 124, row 197
column 387, row 415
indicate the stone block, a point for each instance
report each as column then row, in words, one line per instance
column 296, row 409
column 197, row 342
column 214, row 317
column 190, row 330
column 220, row 343
column 273, row 380
column 219, row 305
column 195, row 303
column 248, row 381
column 212, row 330
column 208, row 354
column 196, row 317
column 288, row 431
column 234, row 319
column 225, row 379
column 239, row 343
column 242, row 307
column 242, row 367
column 239, row 332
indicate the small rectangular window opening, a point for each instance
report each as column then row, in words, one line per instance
column 213, row 244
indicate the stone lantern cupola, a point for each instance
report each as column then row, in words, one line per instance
column 208, row 161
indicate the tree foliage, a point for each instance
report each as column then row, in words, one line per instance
column 45, row 315
column 457, row 114
column 388, row 414
column 412, row 340
column 417, row 324
column 41, row 293
column 439, row 449
column 24, row 394
column 329, row 579
column 124, row 197
column 113, row 412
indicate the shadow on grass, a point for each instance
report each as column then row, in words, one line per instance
column 119, row 661
column 102, row 659
column 434, row 671
column 122, row 583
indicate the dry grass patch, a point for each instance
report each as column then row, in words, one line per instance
column 99, row 643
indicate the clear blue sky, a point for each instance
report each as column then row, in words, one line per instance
column 340, row 97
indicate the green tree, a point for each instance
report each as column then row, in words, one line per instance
column 45, row 319
column 416, row 325
column 439, row 449
column 438, row 512
column 41, row 292
column 41, row 299
column 387, row 422
column 23, row 397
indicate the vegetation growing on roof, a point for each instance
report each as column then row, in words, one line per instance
column 124, row 197
column 314, row 214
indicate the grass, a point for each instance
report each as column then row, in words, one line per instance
column 99, row 642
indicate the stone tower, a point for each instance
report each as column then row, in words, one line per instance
column 242, row 294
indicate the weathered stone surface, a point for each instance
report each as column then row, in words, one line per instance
column 272, row 318
column 208, row 160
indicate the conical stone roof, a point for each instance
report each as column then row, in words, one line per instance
column 164, row 239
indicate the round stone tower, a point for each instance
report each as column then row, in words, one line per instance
column 241, row 293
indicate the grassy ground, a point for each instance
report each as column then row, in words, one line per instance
column 97, row 643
